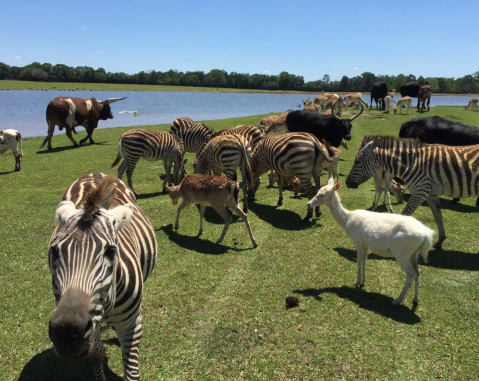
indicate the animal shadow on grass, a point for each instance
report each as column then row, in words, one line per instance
column 148, row 195
column 47, row 366
column 199, row 244
column 69, row 147
column 6, row 173
column 351, row 255
column 453, row 260
column 279, row 218
column 371, row 301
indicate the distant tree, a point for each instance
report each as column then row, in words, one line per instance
column 215, row 78
column 411, row 78
column 344, row 84
column 286, row 80
column 466, row 85
column 368, row 81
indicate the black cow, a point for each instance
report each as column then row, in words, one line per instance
column 331, row 128
column 67, row 112
column 411, row 89
column 437, row 130
column 378, row 91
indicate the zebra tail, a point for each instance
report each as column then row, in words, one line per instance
column 247, row 168
column 119, row 154
column 234, row 191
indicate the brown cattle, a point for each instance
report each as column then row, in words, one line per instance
column 67, row 112
column 424, row 95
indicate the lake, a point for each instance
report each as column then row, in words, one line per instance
column 25, row 110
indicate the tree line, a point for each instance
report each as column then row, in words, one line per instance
column 221, row 79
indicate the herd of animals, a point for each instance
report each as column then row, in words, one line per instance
column 432, row 156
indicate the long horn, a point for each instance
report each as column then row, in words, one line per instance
column 360, row 112
column 111, row 100
column 334, row 113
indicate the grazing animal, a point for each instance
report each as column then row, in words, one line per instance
column 252, row 134
column 355, row 98
column 11, row 139
column 278, row 125
column 387, row 235
column 193, row 135
column 101, row 252
column 150, row 145
column 307, row 101
column 424, row 97
column 387, row 104
column 472, row 105
column 291, row 154
column 428, row 171
column 385, row 182
column 392, row 93
column 404, row 101
column 378, row 91
column 287, row 181
column 437, row 130
column 67, row 112
column 333, row 129
column 215, row 191
column 225, row 153
column 411, row 89
column 266, row 121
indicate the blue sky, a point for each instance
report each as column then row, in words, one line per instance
column 429, row 38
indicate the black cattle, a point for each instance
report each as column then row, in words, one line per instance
column 411, row 89
column 378, row 91
column 331, row 128
column 437, row 130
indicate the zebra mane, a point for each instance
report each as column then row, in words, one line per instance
column 380, row 141
column 100, row 197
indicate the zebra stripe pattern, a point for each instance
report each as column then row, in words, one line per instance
column 429, row 171
column 225, row 153
column 101, row 252
column 252, row 133
column 193, row 136
column 291, row 154
column 150, row 145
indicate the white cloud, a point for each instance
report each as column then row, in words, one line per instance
column 17, row 57
column 83, row 28
column 266, row 71
column 335, row 65
column 356, row 68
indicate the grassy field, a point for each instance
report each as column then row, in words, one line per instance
column 31, row 85
column 217, row 312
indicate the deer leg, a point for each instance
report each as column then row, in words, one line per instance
column 244, row 217
column 202, row 212
column 226, row 216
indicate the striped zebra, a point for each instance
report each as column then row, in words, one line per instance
column 429, row 171
column 150, row 145
column 101, row 252
column 226, row 153
column 192, row 135
column 291, row 154
column 252, row 133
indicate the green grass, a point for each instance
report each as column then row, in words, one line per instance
column 75, row 86
column 217, row 312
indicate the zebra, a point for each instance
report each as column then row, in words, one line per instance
column 193, row 136
column 100, row 253
column 252, row 133
column 291, row 154
column 429, row 171
column 225, row 153
column 150, row 145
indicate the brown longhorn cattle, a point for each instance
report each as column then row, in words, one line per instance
column 424, row 95
column 11, row 139
column 67, row 112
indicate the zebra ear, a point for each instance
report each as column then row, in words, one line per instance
column 122, row 215
column 64, row 211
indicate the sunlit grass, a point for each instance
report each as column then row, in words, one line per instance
column 217, row 312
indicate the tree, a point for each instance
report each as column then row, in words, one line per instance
column 215, row 78
column 344, row 84
column 286, row 80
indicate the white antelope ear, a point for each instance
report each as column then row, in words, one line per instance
column 122, row 215
column 331, row 180
column 64, row 211
column 337, row 186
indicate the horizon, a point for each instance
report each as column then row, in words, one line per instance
column 256, row 38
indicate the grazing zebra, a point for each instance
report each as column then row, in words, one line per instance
column 101, row 252
column 192, row 135
column 429, row 171
column 150, row 145
column 225, row 153
column 252, row 133
column 291, row 154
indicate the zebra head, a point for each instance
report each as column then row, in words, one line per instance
column 364, row 167
column 83, row 259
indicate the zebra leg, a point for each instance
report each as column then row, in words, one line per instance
column 167, row 165
column 280, row 188
column 435, row 206
column 244, row 186
column 129, row 173
column 121, row 168
column 129, row 338
column 98, row 355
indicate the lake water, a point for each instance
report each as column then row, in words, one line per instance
column 25, row 110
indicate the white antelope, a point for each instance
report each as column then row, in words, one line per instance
column 387, row 235
column 404, row 101
column 385, row 182
column 387, row 103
